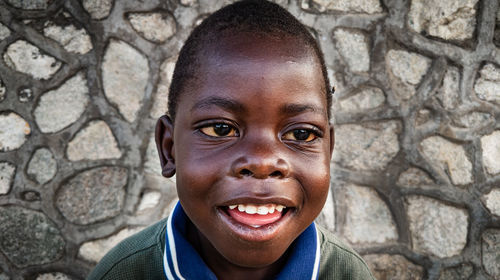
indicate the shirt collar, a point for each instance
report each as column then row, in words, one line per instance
column 181, row 261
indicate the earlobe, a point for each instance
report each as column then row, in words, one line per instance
column 332, row 139
column 164, row 134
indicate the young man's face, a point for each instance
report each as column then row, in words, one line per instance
column 252, row 131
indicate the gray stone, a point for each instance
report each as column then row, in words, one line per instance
column 93, row 195
column 365, row 99
column 25, row 95
column 473, row 120
column 414, row 177
column 491, row 252
column 154, row 26
column 3, row 276
column 369, row 146
column 93, row 142
column 150, row 199
column 393, row 267
column 188, row 2
column 160, row 105
column 490, row 145
column 61, row 107
column 98, row 9
column 4, row 32
column 7, row 171
column 449, row 158
column 351, row 6
column 26, row 58
column 30, row 4
column 487, row 86
column 450, row 20
column 368, row 219
column 3, row 90
column 492, row 201
column 53, row 276
column 450, row 89
column 405, row 71
column 353, row 47
column 28, row 237
column 436, row 228
column 152, row 162
column 125, row 74
column 14, row 131
column 42, row 166
column 461, row 272
column 423, row 116
column 93, row 251
column 72, row 39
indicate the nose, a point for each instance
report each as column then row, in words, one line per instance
column 260, row 159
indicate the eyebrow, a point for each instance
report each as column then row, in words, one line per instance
column 293, row 109
column 225, row 103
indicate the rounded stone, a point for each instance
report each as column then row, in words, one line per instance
column 152, row 163
column 490, row 146
column 7, row 171
column 93, row 195
column 30, row 4
column 487, row 86
column 61, row 107
column 351, row 6
column 367, row 146
column 450, row 20
column 368, row 219
column 160, row 105
column 461, row 272
column 98, row 9
column 353, row 47
column 3, row 91
column 393, row 267
column 95, row 141
column 449, row 91
column 436, row 228
column 491, row 252
column 24, row 57
column 405, row 71
column 28, row 237
column 473, row 120
column 449, row 158
column 25, row 95
column 492, row 201
column 4, row 32
column 150, row 199
column 53, row 276
column 125, row 74
column 14, row 131
column 414, row 177
column 72, row 39
column 42, row 166
column 157, row 27
column 30, row 196
column 93, row 251
column 326, row 217
column 365, row 99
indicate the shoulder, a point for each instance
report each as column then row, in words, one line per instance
column 338, row 260
column 140, row 256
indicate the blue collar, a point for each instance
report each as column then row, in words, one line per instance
column 181, row 261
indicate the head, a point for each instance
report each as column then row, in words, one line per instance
column 249, row 126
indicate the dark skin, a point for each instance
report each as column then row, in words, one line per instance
column 252, row 128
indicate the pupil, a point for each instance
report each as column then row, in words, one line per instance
column 301, row 134
column 222, row 129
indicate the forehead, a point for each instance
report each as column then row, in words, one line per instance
column 255, row 64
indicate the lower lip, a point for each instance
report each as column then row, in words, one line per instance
column 247, row 232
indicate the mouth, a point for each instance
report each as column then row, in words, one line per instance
column 256, row 222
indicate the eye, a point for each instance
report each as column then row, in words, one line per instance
column 219, row 130
column 303, row 135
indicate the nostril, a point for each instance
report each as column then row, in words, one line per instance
column 276, row 174
column 246, row 172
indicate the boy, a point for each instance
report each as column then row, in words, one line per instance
column 250, row 141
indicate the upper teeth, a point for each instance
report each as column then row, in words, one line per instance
column 258, row 209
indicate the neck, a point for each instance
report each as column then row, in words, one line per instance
column 223, row 268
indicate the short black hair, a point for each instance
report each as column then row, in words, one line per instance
column 255, row 16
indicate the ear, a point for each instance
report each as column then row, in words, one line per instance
column 164, row 134
column 332, row 139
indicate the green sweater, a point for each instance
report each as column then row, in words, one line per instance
column 141, row 257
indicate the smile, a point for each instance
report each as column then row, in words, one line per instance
column 256, row 215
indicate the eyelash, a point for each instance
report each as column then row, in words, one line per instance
column 210, row 131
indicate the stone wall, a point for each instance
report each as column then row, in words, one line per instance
column 416, row 168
